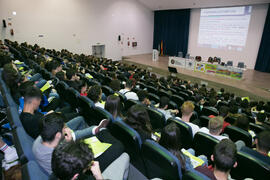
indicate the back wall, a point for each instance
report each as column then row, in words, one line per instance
column 76, row 25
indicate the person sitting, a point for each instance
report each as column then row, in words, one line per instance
column 95, row 94
column 138, row 119
column 75, row 160
column 113, row 106
column 223, row 112
column 143, row 97
column 187, row 110
column 54, row 130
column 163, row 107
column 61, row 76
column 115, row 85
column 262, row 151
column 242, row 122
column 128, row 91
column 72, row 79
column 54, row 67
column 83, row 88
column 224, row 159
column 214, row 128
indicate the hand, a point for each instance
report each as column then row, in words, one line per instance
column 96, row 170
column 51, row 111
column 67, row 134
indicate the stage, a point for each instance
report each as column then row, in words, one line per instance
column 254, row 84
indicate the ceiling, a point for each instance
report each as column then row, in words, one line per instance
column 185, row 4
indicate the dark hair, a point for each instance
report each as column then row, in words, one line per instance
column 261, row 117
column 24, row 86
column 129, row 83
column 50, row 66
column 224, row 155
column 70, row 73
column 170, row 139
column 113, row 105
column 264, row 141
column 115, row 85
column 51, row 124
column 242, row 122
column 142, row 94
column 138, row 119
column 223, row 111
column 94, row 93
column 60, row 75
column 212, row 102
column 164, row 101
column 32, row 92
column 71, row 158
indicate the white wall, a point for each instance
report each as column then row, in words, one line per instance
column 249, row 53
column 78, row 24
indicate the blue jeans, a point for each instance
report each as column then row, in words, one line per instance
column 80, row 128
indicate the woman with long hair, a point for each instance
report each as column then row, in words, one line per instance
column 113, row 106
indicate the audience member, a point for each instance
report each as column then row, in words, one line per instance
column 95, row 94
column 128, row 91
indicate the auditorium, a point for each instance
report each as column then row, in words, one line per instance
column 134, row 89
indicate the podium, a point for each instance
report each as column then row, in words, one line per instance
column 155, row 55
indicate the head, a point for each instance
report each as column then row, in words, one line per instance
column 223, row 111
column 61, row 76
column 164, row 102
column 32, row 97
column 215, row 125
column 143, row 96
column 95, row 93
column 187, row 108
column 71, row 74
column 263, row 142
column 138, row 118
column 171, row 140
column 115, row 85
column 52, row 127
column 242, row 122
column 83, row 87
column 24, row 86
column 212, row 102
column 55, row 67
column 71, row 159
column 261, row 117
column 224, row 156
column 129, row 84
column 113, row 105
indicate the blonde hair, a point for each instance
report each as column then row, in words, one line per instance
column 187, row 108
column 215, row 124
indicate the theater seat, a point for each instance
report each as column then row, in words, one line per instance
column 184, row 95
column 157, row 118
column 178, row 100
column 236, row 134
column 132, row 142
column 194, row 175
column 204, row 144
column 72, row 95
column 32, row 171
column 61, row 88
column 13, row 117
column 107, row 90
column 230, row 119
column 172, row 105
column 84, row 104
column 23, row 143
column 122, row 97
column 152, row 89
column 185, row 132
column 159, row 162
column 164, row 93
column 256, row 128
column 130, row 103
column 153, row 97
column 204, row 120
column 141, row 84
column 207, row 111
column 249, row 166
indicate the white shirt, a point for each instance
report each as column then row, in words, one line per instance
column 129, row 94
column 98, row 104
column 206, row 131
column 194, row 128
column 166, row 113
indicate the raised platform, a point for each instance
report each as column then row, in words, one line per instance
column 254, row 84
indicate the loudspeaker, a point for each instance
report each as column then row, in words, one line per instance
column 4, row 23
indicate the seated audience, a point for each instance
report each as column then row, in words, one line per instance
column 143, row 97
column 187, row 111
column 128, row 91
column 214, row 128
column 242, row 122
column 163, row 107
column 95, row 94
column 72, row 79
column 113, row 105
column 224, row 159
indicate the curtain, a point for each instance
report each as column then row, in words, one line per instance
column 263, row 59
column 171, row 31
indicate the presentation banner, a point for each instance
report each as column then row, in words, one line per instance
column 190, row 64
column 199, row 67
column 223, row 71
column 236, row 73
column 176, row 61
column 210, row 69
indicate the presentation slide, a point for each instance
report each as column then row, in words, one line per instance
column 224, row 28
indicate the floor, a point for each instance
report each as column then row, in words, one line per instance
column 254, row 83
